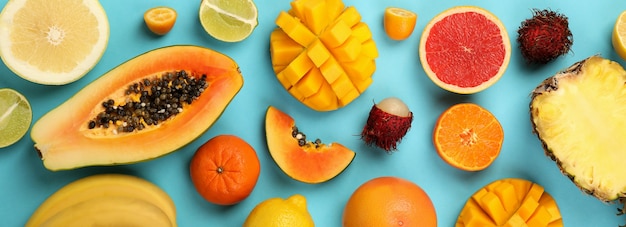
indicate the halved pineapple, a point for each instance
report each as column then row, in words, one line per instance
column 580, row 117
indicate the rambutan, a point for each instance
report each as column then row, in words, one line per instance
column 544, row 37
column 387, row 124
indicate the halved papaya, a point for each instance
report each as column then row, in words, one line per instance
column 303, row 160
column 142, row 109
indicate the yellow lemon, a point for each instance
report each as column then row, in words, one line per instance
column 278, row 212
column 619, row 35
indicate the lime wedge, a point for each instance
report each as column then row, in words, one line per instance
column 228, row 20
column 15, row 116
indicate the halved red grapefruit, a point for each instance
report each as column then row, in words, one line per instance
column 465, row 49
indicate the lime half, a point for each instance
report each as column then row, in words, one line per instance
column 15, row 116
column 228, row 20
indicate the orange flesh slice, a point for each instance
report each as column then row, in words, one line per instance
column 468, row 137
column 399, row 23
column 160, row 20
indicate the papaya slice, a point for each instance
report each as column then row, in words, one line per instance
column 303, row 160
column 510, row 202
column 142, row 109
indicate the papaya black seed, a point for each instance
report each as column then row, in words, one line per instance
column 160, row 98
column 92, row 124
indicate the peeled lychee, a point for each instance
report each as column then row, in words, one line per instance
column 387, row 124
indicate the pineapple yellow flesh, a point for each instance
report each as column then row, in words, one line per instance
column 580, row 116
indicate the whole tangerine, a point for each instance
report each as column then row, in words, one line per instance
column 389, row 201
column 225, row 170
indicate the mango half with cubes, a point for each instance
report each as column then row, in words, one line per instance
column 510, row 202
column 322, row 53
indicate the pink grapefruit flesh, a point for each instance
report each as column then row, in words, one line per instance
column 465, row 49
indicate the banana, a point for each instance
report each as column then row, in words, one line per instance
column 110, row 211
column 103, row 186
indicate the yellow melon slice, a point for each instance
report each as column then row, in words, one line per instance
column 322, row 53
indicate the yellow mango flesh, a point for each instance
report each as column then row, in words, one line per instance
column 322, row 53
column 510, row 202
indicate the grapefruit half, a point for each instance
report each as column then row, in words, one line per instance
column 465, row 49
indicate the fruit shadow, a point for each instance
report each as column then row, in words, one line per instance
column 445, row 99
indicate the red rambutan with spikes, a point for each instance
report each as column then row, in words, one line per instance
column 544, row 37
column 387, row 124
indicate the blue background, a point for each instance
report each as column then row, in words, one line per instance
column 25, row 183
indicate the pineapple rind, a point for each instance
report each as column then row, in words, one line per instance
column 580, row 117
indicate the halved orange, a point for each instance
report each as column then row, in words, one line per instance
column 399, row 23
column 160, row 20
column 468, row 137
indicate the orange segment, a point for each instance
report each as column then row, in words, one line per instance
column 468, row 137
column 160, row 20
column 399, row 23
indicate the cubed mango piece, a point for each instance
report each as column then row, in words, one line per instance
column 361, row 85
column 521, row 187
column 331, row 70
column 477, row 217
column 324, row 99
column 362, row 68
column 350, row 15
column 334, row 8
column 318, row 53
column 297, row 9
column 283, row 80
column 541, row 217
column 361, row 32
column 310, row 83
column 348, row 51
column 527, row 208
column 349, row 97
column 283, row 49
column 297, row 68
column 342, row 86
column 369, row 49
column 315, row 12
column 491, row 204
column 295, row 29
column 550, row 204
column 515, row 221
column 336, row 34
column 506, row 192
column 296, row 94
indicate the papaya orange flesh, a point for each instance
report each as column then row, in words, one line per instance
column 323, row 36
column 301, row 159
column 67, row 136
column 510, row 202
